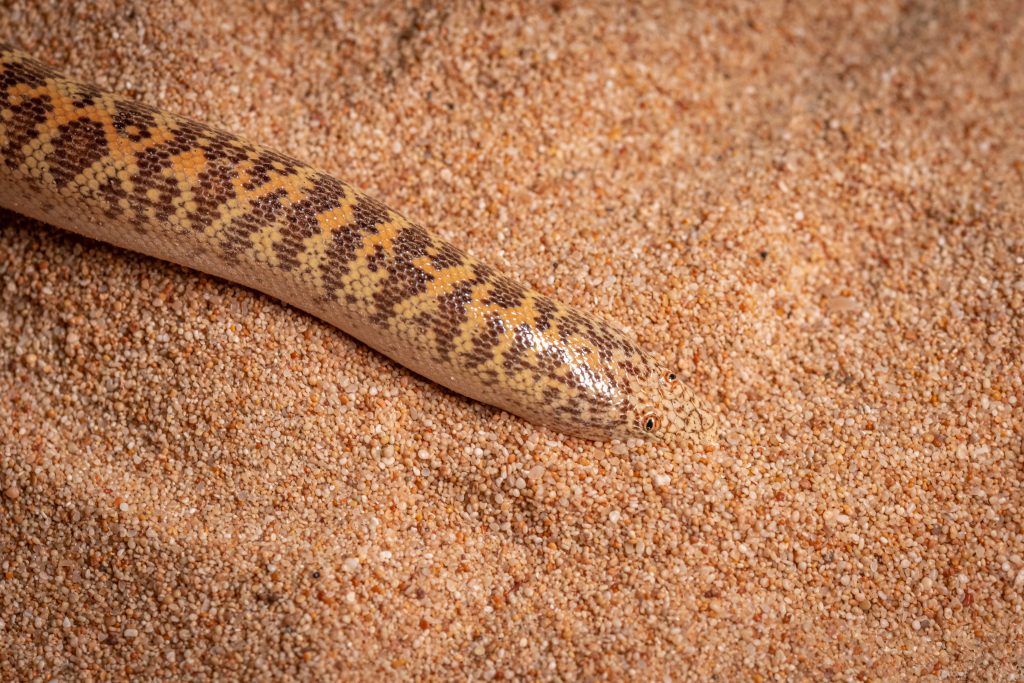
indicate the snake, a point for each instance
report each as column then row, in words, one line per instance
column 119, row 171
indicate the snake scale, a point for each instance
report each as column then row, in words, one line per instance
column 118, row 171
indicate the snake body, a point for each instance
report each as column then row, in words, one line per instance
column 118, row 171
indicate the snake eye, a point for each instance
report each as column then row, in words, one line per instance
column 669, row 377
column 649, row 423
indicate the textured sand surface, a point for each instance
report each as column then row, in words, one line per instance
column 816, row 213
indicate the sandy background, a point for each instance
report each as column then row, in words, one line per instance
column 816, row 213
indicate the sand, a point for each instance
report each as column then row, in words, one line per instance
column 814, row 210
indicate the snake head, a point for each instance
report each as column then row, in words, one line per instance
column 670, row 412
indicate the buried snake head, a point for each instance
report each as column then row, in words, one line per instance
column 668, row 411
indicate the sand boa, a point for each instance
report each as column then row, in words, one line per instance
column 118, row 171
